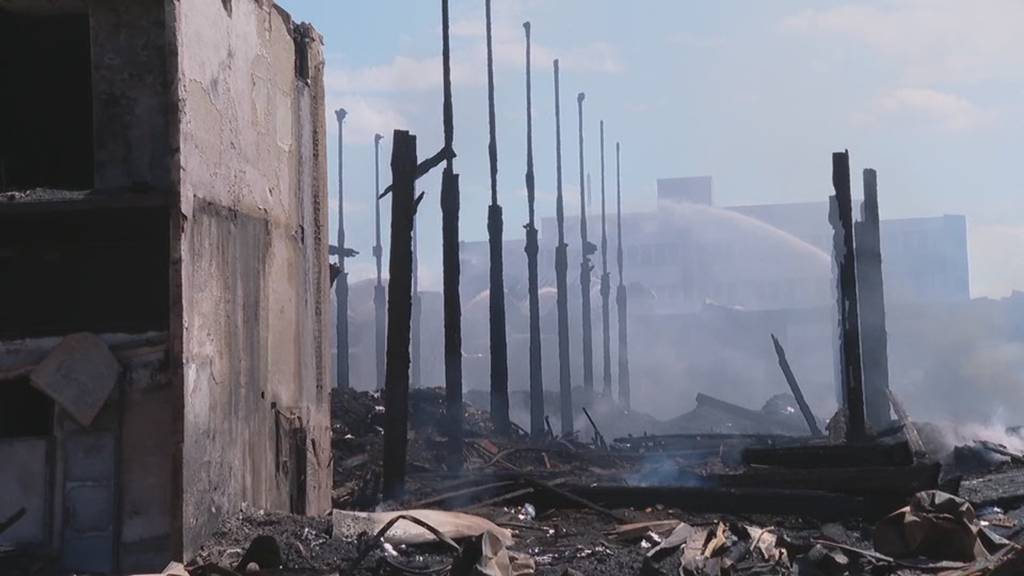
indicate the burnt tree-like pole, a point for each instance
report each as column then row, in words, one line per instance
column 341, row 287
column 379, row 298
column 620, row 292
column 561, row 277
column 417, row 311
column 870, row 289
column 495, row 226
column 450, row 263
column 606, row 286
column 586, row 249
column 849, row 321
column 396, row 391
column 532, row 249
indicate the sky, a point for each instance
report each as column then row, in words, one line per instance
column 756, row 94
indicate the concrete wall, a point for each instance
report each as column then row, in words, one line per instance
column 108, row 489
column 253, row 253
column 131, row 94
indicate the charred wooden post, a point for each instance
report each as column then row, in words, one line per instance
column 561, row 277
column 450, row 263
column 849, row 321
column 794, row 386
column 396, row 391
column 417, row 312
column 586, row 249
column 621, row 303
column 341, row 288
column 379, row 298
column 874, row 339
column 495, row 227
column 532, row 249
column 606, row 286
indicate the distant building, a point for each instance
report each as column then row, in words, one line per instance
column 923, row 259
column 694, row 190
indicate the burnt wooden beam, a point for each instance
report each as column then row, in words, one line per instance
column 621, row 299
column 586, row 249
column 710, row 499
column 814, row 456
column 417, row 312
column 341, row 285
column 532, row 249
column 867, row 480
column 871, row 294
column 606, row 287
column 909, row 430
column 794, row 386
column 495, row 227
column 450, row 263
column 849, row 315
column 379, row 297
column 396, row 391
column 561, row 277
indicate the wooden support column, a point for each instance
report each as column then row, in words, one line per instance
column 532, row 248
column 396, row 391
column 621, row 300
column 417, row 313
column 874, row 338
column 606, row 287
column 561, row 277
column 849, row 317
column 379, row 297
column 586, row 249
column 341, row 287
column 450, row 263
column 495, row 228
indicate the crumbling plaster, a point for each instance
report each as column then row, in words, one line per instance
column 252, row 258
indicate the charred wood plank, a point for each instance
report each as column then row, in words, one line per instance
column 881, row 480
column 909, row 430
column 794, row 386
column 813, row 456
column 821, row 505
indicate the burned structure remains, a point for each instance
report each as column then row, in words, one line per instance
column 164, row 352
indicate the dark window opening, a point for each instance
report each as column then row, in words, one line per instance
column 24, row 411
column 46, row 128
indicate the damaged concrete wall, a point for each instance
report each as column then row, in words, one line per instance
column 253, row 254
column 131, row 94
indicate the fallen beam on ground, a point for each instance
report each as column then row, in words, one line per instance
column 892, row 480
column 813, row 456
column 822, row 505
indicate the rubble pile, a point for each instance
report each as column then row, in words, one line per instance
column 689, row 504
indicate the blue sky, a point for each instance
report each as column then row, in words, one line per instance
column 756, row 94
